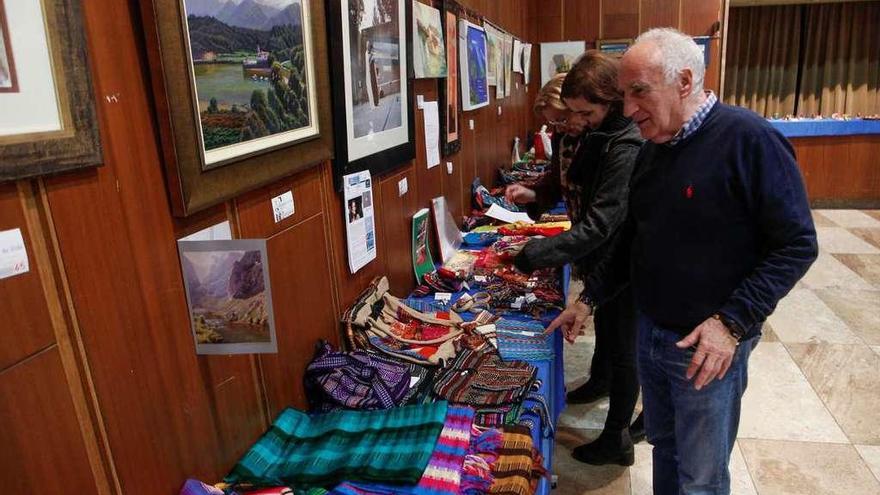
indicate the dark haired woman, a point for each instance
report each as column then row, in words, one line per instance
column 595, row 186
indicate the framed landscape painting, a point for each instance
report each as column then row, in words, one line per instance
column 372, row 101
column 616, row 48
column 559, row 57
column 238, row 84
column 48, row 122
column 449, row 105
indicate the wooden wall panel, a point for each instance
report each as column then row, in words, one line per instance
column 42, row 449
column 582, row 20
column 698, row 16
column 299, row 263
column 620, row 18
column 840, row 171
column 429, row 181
column 28, row 328
column 397, row 230
column 254, row 209
column 659, row 13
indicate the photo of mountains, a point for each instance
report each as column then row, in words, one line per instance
column 251, row 14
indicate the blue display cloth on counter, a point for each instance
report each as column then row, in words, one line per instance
column 825, row 127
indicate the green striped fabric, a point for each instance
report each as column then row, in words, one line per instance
column 392, row 445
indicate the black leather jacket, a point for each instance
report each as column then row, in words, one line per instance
column 602, row 165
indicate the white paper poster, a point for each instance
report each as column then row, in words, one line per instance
column 219, row 232
column 506, row 215
column 517, row 56
column 527, row 61
column 432, row 133
column 360, row 226
column 448, row 236
column 13, row 254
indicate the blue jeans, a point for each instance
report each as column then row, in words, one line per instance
column 692, row 431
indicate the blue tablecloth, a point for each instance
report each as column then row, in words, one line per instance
column 825, row 127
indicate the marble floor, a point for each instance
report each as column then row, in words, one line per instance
column 811, row 414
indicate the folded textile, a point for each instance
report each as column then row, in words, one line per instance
column 354, row 380
column 480, row 378
column 518, row 467
column 442, row 476
column 392, row 446
column 523, row 340
column 483, row 198
column 196, row 487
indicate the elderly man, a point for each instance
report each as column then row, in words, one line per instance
column 719, row 230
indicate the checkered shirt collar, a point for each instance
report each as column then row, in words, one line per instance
column 695, row 121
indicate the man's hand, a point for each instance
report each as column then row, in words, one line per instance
column 571, row 320
column 519, row 194
column 715, row 349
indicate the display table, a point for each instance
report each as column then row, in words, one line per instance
column 550, row 372
column 825, row 127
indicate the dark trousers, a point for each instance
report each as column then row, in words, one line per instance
column 614, row 358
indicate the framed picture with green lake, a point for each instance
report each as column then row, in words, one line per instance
column 238, row 85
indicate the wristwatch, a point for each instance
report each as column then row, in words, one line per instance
column 733, row 327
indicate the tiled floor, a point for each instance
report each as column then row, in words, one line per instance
column 811, row 415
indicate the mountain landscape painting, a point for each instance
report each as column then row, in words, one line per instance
column 227, row 291
column 252, row 69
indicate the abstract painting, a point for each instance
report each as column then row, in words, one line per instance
column 253, row 75
column 429, row 49
column 559, row 57
column 473, row 58
column 228, row 295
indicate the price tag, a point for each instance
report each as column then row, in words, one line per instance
column 13, row 255
column 443, row 296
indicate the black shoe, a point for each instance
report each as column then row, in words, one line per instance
column 637, row 429
column 612, row 447
column 588, row 392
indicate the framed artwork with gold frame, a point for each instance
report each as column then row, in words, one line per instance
column 48, row 123
column 239, row 92
column 614, row 47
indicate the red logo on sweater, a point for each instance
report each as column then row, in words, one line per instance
column 689, row 191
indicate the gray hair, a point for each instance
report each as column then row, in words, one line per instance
column 678, row 52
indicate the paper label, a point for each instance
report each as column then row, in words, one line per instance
column 13, row 255
column 282, row 206
column 443, row 296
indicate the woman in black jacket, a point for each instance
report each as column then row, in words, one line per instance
column 595, row 186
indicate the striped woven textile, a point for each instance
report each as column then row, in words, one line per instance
column 513, row 471
column 480, row 378
column 514, row 343
column 385, row 445
column 443, row 474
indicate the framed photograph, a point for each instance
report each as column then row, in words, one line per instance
column 428, row 47
column 559, row 57
column 473, row 65
column 229, row 296
column 449, row 103
column 237, row 88
column 48, row 122
column 615, row 48
column 372, row 101
column 704, row 42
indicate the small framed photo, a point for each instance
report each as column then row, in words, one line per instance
column 615, row 47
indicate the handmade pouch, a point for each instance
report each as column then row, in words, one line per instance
column 354, row 380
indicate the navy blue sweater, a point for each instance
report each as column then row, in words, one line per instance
column 718, row 223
